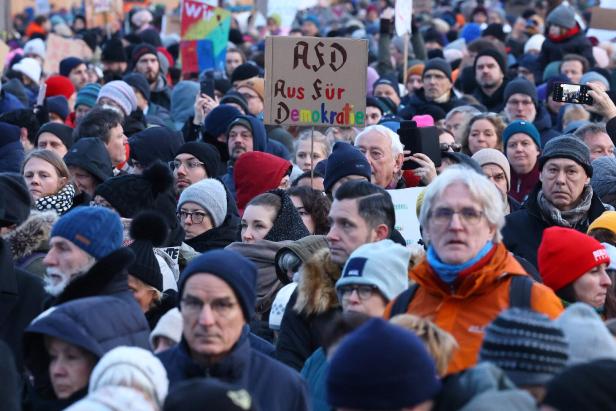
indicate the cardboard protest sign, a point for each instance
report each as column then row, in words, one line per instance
column 4, row 51
column 603, row 21
column 59, row 48
column 404, row 13
column 405, row 202
column 104, row 13
column 315, row 81
column 204, row 31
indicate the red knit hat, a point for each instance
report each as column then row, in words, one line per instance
column 59, row 86
column 566, row 254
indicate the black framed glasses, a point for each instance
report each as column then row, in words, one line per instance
column 195, row 216
column 364, row 291
column 453, row 146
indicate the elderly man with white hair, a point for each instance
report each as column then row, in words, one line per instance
column 385, row 153
column 468, row 276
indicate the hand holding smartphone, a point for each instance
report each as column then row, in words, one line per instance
column 571, row 93
column 419, row 140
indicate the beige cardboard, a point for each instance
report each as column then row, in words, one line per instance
column 604, row 19
column 59, row 48
column 4, row 51
column 315, row 81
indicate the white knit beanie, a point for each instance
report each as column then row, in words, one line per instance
column 170, row 325
column 30, row 67
column 383, row 264
column 35, row 47
column 209, row 194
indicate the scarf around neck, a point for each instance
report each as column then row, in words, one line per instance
column 448, row 273
column 60, row 202
column 570, row 218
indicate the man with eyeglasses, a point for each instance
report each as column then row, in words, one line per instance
column 521, row 103
column 217, row 301
column 563, row 197
column 193, row 162
column 437, row 92
column 468, row 276
column 253, row 90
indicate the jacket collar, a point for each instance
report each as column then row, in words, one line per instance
column 484, row 279
column 231, row 368
column 108, row 276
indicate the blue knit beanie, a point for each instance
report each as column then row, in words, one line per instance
column 87, row 95
column 345, row 160
column 217, row 122
column 233, row 268
column 68, row 64
column 381, row 366
column 96, row 230
column 521, row 126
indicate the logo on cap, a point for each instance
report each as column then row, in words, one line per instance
column 355, row 267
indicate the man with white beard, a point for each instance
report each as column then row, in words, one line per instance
column 86, row 257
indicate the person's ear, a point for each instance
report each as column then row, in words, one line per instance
column 382, row 232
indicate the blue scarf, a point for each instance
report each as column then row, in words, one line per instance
column 449, row 272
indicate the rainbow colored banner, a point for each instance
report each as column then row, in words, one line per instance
column 204, row 32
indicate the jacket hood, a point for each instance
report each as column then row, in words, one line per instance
column 482, row 280
column 259, row 135
column 32, row 235
column 85, row 323
column 90, row 154
column 255, row 173
column 288, row 224
column 182, row 102
column 108, row 276
column 317, row 285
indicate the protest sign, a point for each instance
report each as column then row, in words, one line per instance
column 404, row 13
column 204, row 33
column 4, row 51
column 405, row 202
column 58, row 48
column 315, row 81
column 104, row 14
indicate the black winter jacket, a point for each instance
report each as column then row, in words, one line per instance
column 524, row 228
column 273, row 386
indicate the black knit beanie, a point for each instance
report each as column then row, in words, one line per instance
column 439, row 64
column 148, row 230
column 496, row 55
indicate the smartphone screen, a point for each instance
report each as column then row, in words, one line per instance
column 571, row 93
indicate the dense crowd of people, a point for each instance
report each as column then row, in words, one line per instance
column 162, row 248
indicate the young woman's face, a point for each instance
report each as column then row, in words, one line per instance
column 143, row 293
column 257, row 221
column 42, row 178
column 302, row 156
column 69, row 367
column 305, row 215
column 592, row 287
column 194, row 220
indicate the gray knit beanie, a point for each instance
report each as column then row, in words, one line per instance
column 121, row 93
column 493, row 156
column 603, row 180
column 440, row 64
column 527, row 345
column 567, row 146
column 596, row 77
column 563, row 16
column 209, row 194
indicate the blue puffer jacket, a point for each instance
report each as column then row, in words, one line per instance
column 274, row 386
column 94, row 324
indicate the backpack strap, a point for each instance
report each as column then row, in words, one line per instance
column 519, row 291
column 401, row 303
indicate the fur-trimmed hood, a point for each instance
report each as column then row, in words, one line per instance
column 31, row 235
column 317, row 284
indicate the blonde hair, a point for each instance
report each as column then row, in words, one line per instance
column 574, row 112
column 52, row 158
column 440, row 344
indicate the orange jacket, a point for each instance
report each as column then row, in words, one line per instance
column 478, row 297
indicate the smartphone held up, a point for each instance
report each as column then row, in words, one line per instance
column 571, row 93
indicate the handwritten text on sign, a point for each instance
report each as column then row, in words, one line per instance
column 315, row 81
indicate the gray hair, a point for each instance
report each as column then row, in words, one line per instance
column 482, row 190
column 467, row 110
column 593, row 128
column 396, row 146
